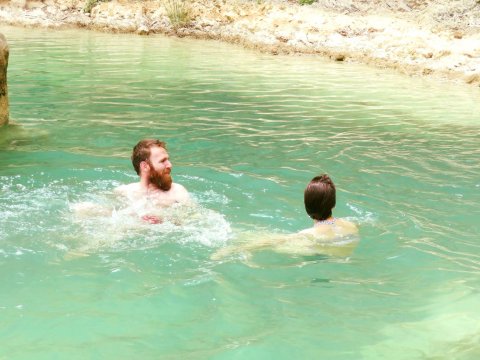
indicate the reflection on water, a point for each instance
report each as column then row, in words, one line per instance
column 245, row 132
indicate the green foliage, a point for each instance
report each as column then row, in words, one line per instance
column 306, row 2
column 89, row 4
column 178, row 12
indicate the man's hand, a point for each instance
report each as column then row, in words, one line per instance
column 152, row 219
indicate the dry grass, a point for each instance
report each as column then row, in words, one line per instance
column 178, row 12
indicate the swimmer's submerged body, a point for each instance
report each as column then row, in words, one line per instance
column 328, row 236
column 338, row 240
column 334, row 236
column 152, row 205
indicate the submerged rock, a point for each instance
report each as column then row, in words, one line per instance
column 3, row 80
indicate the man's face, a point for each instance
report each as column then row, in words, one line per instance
column 160, row 168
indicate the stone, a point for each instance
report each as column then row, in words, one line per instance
column 143, row 30
column 458, row 35
column 472, row 78
column 19, row 3
column 4, row 51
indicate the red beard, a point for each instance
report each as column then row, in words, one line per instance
column 161, row 180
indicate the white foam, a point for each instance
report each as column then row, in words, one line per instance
column 364, row 216
column 122, row 228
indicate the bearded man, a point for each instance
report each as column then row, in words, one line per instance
column 152, row 163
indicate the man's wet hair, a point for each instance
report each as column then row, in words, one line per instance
column 320, row 197
column 141, row 151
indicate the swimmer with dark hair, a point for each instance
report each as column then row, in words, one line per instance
column 328, row 236
column 320, row 199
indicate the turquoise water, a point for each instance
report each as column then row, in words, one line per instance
column 245, row 132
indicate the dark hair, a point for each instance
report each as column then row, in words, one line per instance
column 141, row 151
column 319, row 197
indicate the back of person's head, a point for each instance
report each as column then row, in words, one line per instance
column 320, row 197
column 141, row 151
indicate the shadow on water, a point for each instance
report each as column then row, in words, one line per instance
column 14, row 135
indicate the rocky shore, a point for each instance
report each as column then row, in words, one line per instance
column 430, row 38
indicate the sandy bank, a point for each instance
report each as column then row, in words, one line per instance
column 430, row 38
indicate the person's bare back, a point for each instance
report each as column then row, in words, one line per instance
column 328, row 236
column 334, row 229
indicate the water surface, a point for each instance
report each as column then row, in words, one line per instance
column 245, row 132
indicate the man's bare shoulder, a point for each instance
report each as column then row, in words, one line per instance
column 180, row 193
column 128, row 189
column 179, row 188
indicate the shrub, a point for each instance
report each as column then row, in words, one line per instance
column 178, row 12
column 89, row 4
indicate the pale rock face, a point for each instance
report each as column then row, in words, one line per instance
column 438, row 38
column 3, row 80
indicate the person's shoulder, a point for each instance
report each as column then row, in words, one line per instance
column 127, row 188
column 340, row 228
column 181, row 193
column 348, row 225
column 179, row 187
